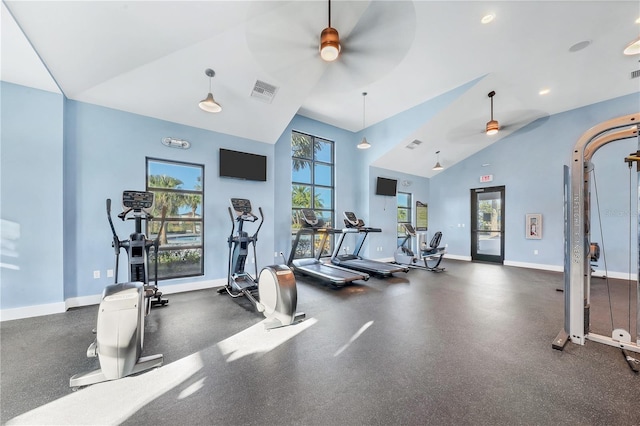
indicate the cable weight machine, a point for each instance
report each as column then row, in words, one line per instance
column 577, row 269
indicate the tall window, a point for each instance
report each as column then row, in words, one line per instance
column 311, row 187
column 404, row 214
column 180, row 188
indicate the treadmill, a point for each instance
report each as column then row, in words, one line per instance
column 336, row 275
column 354, row 260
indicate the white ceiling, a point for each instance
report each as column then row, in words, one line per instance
column 149, row 57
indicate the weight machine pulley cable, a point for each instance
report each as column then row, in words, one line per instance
column 630, row 203
column 604, row 251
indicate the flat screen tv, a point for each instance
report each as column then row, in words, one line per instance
column 386, row 186
column 243, row 165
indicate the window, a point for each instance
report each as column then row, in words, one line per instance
column 311, row 187
column 180, row 188
column 404, row 214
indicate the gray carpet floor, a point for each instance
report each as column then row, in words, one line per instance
column 471, row 345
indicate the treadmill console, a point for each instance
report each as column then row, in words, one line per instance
column 309, row 217
column 351, row 220
column 137, row 200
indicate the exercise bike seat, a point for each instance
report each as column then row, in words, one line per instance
column 432, row 248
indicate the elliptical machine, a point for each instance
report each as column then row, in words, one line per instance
column 139, row 204
column 124, row 306
column 431, row 255
column 274, row 291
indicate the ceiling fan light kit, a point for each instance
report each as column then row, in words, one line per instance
column 329, row 41
column 329, row 44
column 209, row 104
column 492, row 126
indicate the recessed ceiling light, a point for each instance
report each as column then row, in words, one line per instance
column 544, row 92
column 487, row 18
column 633, row 48
column 580, row 45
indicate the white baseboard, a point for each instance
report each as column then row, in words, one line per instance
column 198, row 285
column 541, row 266
column 599, row 273
column 94, row 299
column 32, row 311
column 457, row 257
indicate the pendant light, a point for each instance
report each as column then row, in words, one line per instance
column 492, row 126
column 209, row 104
column 363, row 144
column 329, row 42
column 437, row 166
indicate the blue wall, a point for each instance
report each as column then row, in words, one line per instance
column 60, row 162
column 31, row 203
column 348, row 167
column 108, row 151
column 530, row 163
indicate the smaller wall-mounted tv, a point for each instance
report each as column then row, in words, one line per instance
column 243, row 165
column 386, row 186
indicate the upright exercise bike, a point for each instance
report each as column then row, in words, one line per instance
column 124, row 306
column 431, row 255
column 274, row 291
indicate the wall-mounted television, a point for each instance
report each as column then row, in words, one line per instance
column 243, row 165
column 386, row 186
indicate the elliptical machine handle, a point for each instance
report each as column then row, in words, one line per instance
column 116, row 241
column 156, row 244
column 233, row 228
column 255, row 235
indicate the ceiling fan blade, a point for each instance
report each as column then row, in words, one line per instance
column 522, row 119
column 377, row 43
column 284, row 40
column 516, row 120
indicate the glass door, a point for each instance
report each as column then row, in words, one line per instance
column 487, row 224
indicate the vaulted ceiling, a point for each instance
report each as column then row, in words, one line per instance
column 149, row 58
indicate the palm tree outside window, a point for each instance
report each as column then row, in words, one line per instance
column 179, row 187
column 312, row 187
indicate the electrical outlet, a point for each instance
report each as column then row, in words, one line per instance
column 535, row 252
column 96, row 274
column 275, row 254
column 109, row 273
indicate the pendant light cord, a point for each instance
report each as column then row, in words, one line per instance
column 364, row 106
column 329, row 13
column 491, row 108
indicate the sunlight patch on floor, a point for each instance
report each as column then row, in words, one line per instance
column 258, row 340
column 353, row 338
column 115, row 401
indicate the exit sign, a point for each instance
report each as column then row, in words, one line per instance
column 486, row 178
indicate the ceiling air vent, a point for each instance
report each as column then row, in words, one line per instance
column 264, row 91
column 635, row 74
column 414, row 144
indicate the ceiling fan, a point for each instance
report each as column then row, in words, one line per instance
column 511, row 120
column 365, row 39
